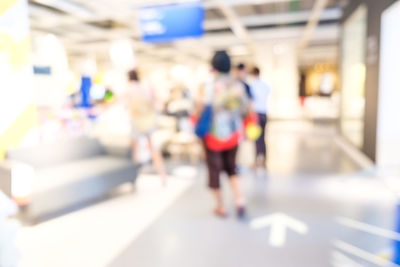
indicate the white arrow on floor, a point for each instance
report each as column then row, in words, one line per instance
column 279, row 223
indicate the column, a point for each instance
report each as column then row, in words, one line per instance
column 17, row 110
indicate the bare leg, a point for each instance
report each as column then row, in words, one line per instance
column 134, row 155
column 158, row 161
column 237, row 193
column 134, row 158
column 220, row 209
column 239, row 199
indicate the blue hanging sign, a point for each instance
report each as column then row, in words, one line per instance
column 170, row 22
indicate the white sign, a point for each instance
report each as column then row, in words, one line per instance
column 279, row 223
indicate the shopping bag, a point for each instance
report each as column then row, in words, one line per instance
column 203, row 125
column 253, row 130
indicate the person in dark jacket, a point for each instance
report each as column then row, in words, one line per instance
column 241, row 74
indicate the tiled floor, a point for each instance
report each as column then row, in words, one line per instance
column 310, row 179
column 94, row 235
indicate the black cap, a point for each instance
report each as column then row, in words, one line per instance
column 221, row 62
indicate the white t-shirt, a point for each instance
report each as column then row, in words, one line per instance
column 260, row 91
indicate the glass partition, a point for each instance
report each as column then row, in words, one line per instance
column 353, row 71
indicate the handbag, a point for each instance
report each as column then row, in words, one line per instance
column 204, row 122
column 253, row 130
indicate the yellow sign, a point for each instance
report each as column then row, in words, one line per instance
column 16, row 53
column 6, row 4
column 14, row 56
column 18, row 129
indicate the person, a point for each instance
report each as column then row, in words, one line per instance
column 260, row 91
column 302, row 89
column 241, row 75
column 139, row 102
column 227, row 98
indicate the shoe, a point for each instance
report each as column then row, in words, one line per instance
column 241, row 212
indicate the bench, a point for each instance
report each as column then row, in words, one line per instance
column 55, row 177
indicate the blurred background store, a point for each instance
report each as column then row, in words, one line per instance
column 333, row 131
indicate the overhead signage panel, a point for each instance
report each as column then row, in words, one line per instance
column 161, row 24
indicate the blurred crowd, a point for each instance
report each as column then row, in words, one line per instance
column 231, row 106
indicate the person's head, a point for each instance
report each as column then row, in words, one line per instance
column 221, row 62
column 133, row 76
column 255, row 72
column 241, row 71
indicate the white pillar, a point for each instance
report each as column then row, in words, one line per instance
column 279, row 67
column 17, row 111
column 50, row 89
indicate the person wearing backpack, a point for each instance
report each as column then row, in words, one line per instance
column 224, row 104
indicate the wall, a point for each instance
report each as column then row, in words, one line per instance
column 388, row 134
column 375, row 9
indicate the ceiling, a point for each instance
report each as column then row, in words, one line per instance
column 88, row 26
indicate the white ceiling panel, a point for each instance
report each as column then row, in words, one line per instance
column 89, row 26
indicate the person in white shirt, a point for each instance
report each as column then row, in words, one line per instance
column 260, row 92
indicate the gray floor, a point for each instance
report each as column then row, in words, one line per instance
column 306, row 180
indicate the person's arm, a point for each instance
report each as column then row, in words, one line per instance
column 200, row 100
column 249, row 93
column 249, row 104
